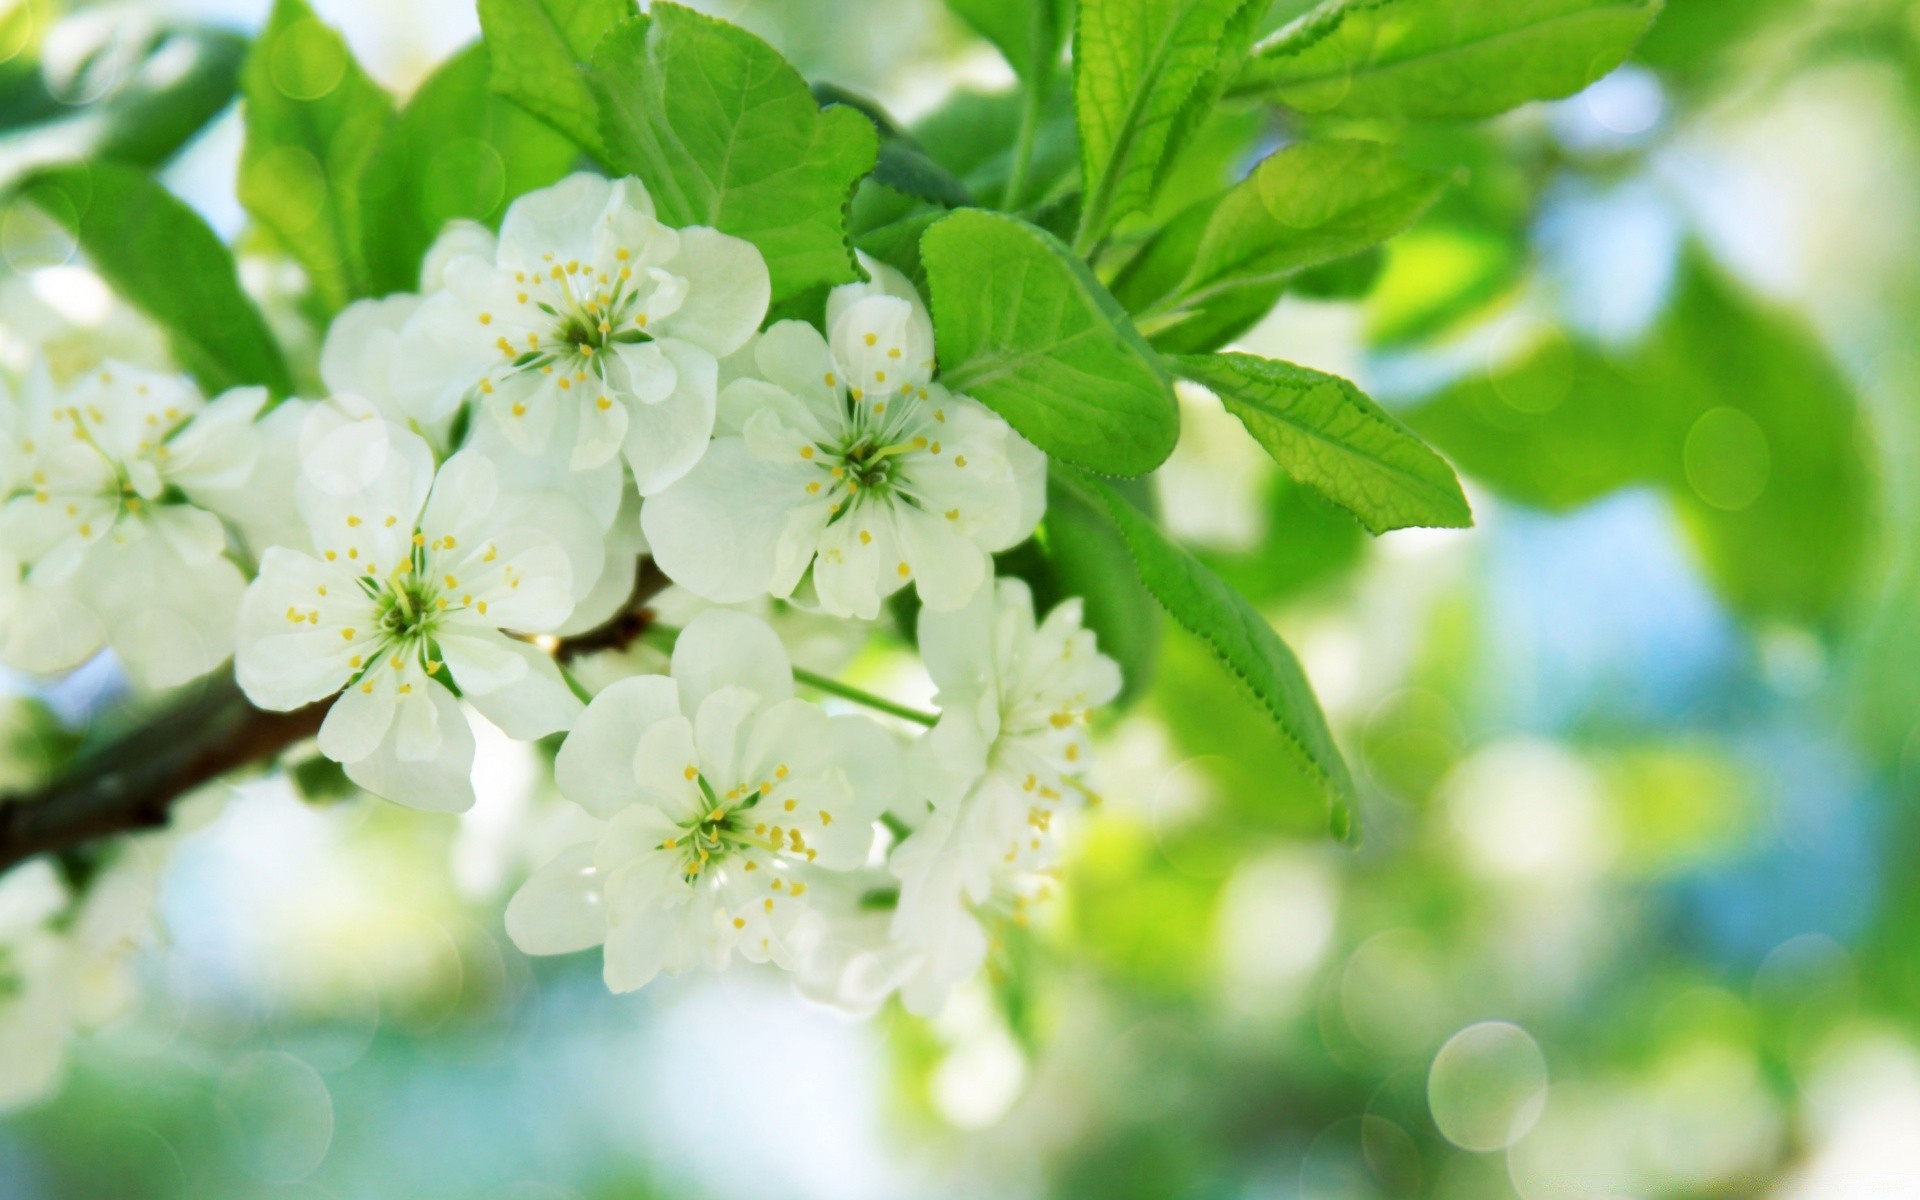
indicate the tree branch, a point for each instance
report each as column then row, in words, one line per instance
column 133, row 782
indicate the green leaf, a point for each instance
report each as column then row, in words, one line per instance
column 1308, row 204
column 539, row 49
column 902, row 165
column 1239, row 637
column 973, row 136
column 1326, row 433
column 1028, row 33
column 1140, row 68
column 163, row 259
column 1443, row 59
column 898, row 245
column 312, row 118
column 181, row 80
column 725, row 133
column 1090, row 560
column 456, row 151
column 1024, row 327
column 1735, row 411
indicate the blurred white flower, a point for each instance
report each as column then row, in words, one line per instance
column 591, row 328
column 996, row 770
column 725, row 798
column 63, row 963
column 112, row 485
column 417, row 578
column 848, row 458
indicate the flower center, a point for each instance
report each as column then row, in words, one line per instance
column 721, row 827
column 408, row 608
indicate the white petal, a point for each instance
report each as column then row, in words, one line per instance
column 882, row 344
column 794, row 356
column 360, row 719
column 600, row 429
column 729, row 292
column 723, row 648
column 46, row 630
column 482, row 661
column 557, row 220
column 957, row 646
column 464, row 493
column 715, row 531
column 560, row 908
column 217, row 449
column 661, row 764
column 882, row 280
column 847, row 573
column 665, row 439
column 947, row 568
column 460, row 239
column 540, row 703
column 357, row 356
column 441, row 784
column 594, row 768
column 180, row 627
column 719, row 733
column 648, row 915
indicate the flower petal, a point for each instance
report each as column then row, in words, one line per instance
column 560, row 908
column 665, row 439
column 715, row 531
column 443, row 783
column 594, row 768
column 540, row 703
column 723, row 648
column 729, row 293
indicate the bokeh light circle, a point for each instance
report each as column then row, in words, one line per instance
column 277, row 1115
column 1487, row 1086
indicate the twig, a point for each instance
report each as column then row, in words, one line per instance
column 133, row 782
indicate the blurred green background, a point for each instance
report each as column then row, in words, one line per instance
column 1633, row 913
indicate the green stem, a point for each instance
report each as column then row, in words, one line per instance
column 664, row 636
column 833, row 687
column 1023, row 144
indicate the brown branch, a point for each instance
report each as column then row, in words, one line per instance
column 133, row 782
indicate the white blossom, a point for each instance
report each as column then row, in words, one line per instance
column 413, row 581
column 726, row 799
column 112, row 487
column 1000, row 766
column 848, row 458
column 63, row 964
column 591, row 329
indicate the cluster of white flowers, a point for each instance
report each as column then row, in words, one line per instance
column 489, row 463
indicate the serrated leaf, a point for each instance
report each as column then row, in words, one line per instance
column 539, row 51
column 903, row 165
column 1090, row 560
column 312, row 117
column 1138, row 66
column 1022, row 326
column 1028, row 33
column 1239, row 637
column 1306, row 205
column 898, row 245
column 724, row 132
column 1329, row 435
column 181, row 80
column 161, row 257
column 1443, row 59
column 456, row 150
